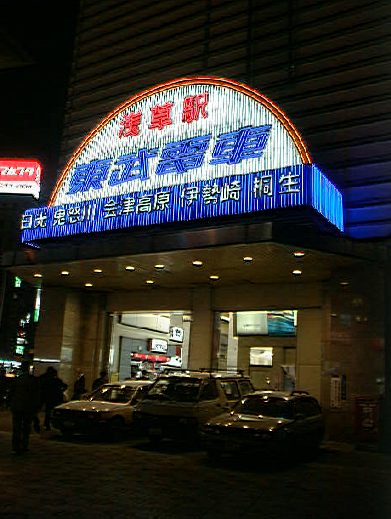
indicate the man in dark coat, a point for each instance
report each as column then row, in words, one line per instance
column 52, row 393
column 102, row 379
column 24, row 404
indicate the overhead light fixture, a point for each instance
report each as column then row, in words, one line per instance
column 88, row 285
column 65, row 273
column 214, row 277
column 130, row 267
column 297, row 272
column 98, row 271
column 159, row 266
column 197, row 263
column 247, row 259
column 298, row 253
column 37, row 275
column 344, row 283
column 149, row 282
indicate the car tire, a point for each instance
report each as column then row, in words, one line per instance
column 66, row 433
column 155, row 439
column 116, row 428
column 213, row 455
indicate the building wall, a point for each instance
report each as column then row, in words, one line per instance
column 326, row 64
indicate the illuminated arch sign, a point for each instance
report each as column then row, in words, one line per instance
column 189, row 149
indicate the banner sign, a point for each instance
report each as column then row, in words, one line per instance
column 189, row 149
column 20, row 177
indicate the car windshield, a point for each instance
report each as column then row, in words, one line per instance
column 115, row 394
column 260, row 406
column 176, row 388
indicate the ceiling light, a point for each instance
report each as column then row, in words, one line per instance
column 344, row 283
column 159, row 266
column 88, row 285
column 149, row 282
column 214, row 277
column 64, row 273
column 247, row 259
column 299, row 253
column 98, row 271
column 197, row 263
column 296, row 272
column 37, row 275
column 129, row 267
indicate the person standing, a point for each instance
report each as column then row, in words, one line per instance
column 102, row 379
column 24, row 404
column 79, row 387
column 52, row 393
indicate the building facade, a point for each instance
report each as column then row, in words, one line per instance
column 325, row 67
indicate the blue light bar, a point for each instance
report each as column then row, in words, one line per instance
column 295, row 186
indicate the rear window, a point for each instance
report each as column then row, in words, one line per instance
column 116, row 394
column 176, row 389
column 245, row 387
column 271, row 407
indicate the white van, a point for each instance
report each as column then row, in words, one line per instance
column 178, row 403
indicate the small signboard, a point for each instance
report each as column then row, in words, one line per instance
column 20, row 177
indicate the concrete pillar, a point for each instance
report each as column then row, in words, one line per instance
column 309, row 351
column 201, row 334
column 385, row 402
column 72, row 329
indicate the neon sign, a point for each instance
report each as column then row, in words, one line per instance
column 188, row 149
column 20, row 177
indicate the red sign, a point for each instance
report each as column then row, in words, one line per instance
column 151, row 358
column 19, row 176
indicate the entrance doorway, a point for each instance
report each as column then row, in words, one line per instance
column 260, row 343
column 143, row 344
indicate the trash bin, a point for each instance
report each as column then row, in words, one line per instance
column 367, row 418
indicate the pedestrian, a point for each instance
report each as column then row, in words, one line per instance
column 24, row 405
column 3, row 386
column 102, row 379
column 52, row 393
column 79, row 387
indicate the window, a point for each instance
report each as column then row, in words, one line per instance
column 208, row 390
column 261, row 356
column 245, row 387
column 230, row 389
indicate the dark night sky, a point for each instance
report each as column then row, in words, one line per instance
column 36, row 45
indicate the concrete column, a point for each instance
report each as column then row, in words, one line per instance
column 385, row 402
column 201, row 335
column 309, row 351
column 73, row 330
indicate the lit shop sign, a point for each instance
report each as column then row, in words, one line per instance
column 176, row 334
column 157, row 345
column 189, row 149
column 20, row 177
column 139, row 357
